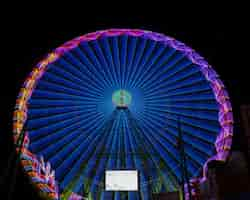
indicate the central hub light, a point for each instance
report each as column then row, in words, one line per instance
column 121, row 98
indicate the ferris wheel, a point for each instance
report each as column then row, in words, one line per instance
column 119, row 99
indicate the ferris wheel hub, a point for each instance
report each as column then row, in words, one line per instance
column 121, row 98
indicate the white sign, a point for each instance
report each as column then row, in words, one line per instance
column 121, row 180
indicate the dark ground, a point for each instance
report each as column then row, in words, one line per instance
column 218, row 35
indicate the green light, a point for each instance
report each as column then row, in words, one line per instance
column 121, row 98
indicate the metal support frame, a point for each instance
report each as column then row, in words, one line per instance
column 183, row 162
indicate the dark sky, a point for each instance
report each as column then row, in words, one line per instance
column 217, row 36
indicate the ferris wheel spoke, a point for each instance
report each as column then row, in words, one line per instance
column 197, row 150
column 166, row 83
column 83, row 70
column 123, row 58
column 63, row 147
column 98, row 177
column 54, row 152
column 75, row 160
column 140, row 48
column 160, row 64
column 206, row 96
column 170, row 124
column 193, row 89
column 127, row 147
column 192, row 78
column 179, row 70
column 130, row 163
column 166, row 161
column 172, row 149
column 61, row 110
column 150, row 46
column 51, row 119
column 147, row 162
column 159, row 167
column 110, row 130
column 143, row 189
column 169, row 159
column 203, row 148
column 104, row 61
column 43, row 94
column 104, row 44
column 89, row 65
column 97, row 53
column 181, row 74
column 111, row 152
column 132, row 43
column 37, row 133
column 110, row 164
column 84, row 147
column 114, row 56
column 77, row 83
column 189, row 121
column 55, row 78
column 82, row 82
column 52, row 144
column 86, row 48
column 117, row 154
column 162, row 61
column 168, row 106
column 173, row 154
column 197, row 92
column 41, row 107
column 37, row 123
column 54, row 138
column 85, row 65
column 52, row 87
column 202, row 145
column 170, row 67
column 119, row 144
column 37, row 112
column 211, row 116
column 92, row 162
column 83, row 86
column 116, row 60
column 47, row 105
column 72, row 72
column 155, row 55
column 153, row 166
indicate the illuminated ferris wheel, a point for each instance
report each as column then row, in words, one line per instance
column 118, row 99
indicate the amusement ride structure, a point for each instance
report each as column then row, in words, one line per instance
column 121, row 99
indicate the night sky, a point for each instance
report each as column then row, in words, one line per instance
column 220, row 38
